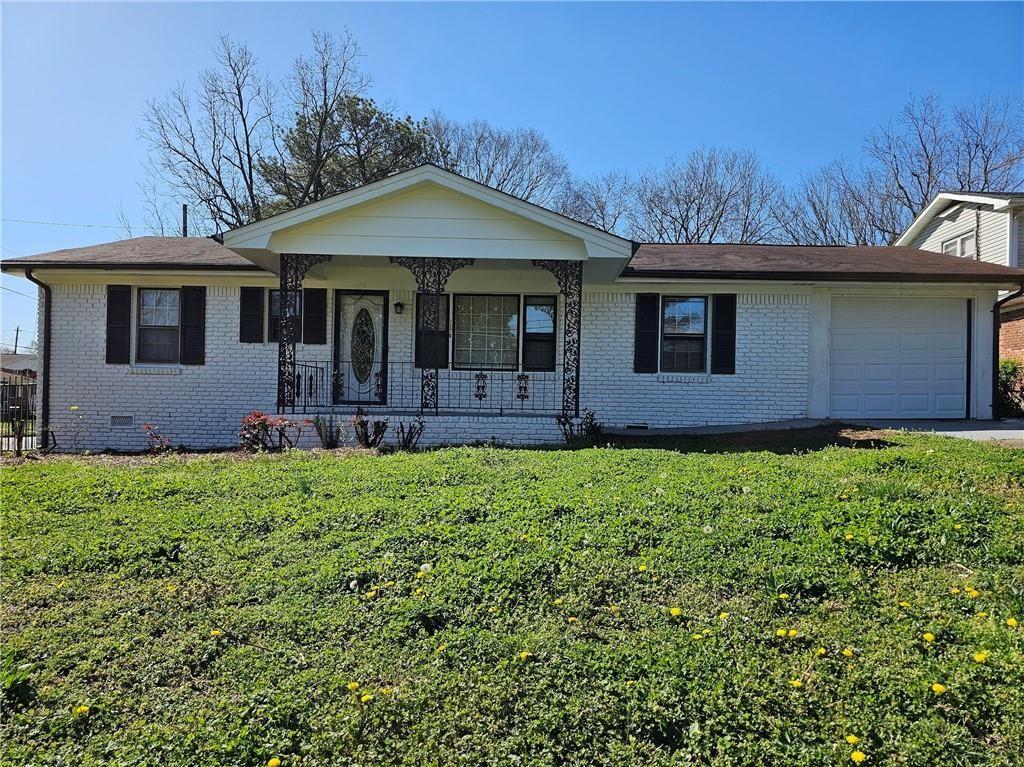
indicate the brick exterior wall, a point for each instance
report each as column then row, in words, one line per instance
column 202, row 406
column 1011, row 335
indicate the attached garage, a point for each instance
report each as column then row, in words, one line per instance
column 899, row 357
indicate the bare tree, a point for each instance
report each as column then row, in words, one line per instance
column 210, row 148
column 122, row 219
column 603, row 201
column 519, row 162
column 988, row 153
column 712, row 196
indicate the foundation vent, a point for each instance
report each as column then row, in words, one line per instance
column 122, row 420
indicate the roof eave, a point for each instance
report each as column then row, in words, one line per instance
column 794, row 276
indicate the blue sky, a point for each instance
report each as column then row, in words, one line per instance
column 611, row 85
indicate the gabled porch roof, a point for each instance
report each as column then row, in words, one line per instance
column 428, row 212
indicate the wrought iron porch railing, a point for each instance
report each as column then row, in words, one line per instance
column 329, row 385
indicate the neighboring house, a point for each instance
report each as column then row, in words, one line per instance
column 983, row 226
column 429, row 293
column 21, row 366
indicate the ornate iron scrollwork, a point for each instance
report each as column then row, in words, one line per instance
column 523, row 386
column 431, row 275
column 481, row 386
column 293, row 268
column 569, row 275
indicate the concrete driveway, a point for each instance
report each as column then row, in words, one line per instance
column 1010, row 431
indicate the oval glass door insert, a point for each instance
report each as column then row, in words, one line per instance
column 364, row 343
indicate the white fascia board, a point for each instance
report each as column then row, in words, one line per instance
column 256, row 236
column 941, row 202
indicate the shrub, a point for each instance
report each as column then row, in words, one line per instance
column 16, row 680
column 266, row 433
column 158, row 443
column 409, row 436
column 330, row 432
column 579, row 432
column 1011, row 389
column 368, row 433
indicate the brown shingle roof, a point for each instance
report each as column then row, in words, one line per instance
column 141, row 253
column 809, row 262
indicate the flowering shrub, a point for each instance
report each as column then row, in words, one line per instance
column 158, row 443
column 266, row 433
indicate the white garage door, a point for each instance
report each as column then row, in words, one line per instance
column 898, row 358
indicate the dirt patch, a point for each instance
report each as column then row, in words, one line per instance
column 775, row 440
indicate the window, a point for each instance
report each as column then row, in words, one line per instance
column 683, row 339
column 158, row 325
column 274, row 314
column 962, row 246
column 539, row 332
column 431, row 345
column 486, row 332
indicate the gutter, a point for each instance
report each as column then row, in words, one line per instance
column 996, row 323
column 44, row 421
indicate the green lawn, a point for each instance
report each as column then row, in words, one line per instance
column 477, row 606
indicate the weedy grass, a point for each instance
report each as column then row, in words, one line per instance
column 477, row 606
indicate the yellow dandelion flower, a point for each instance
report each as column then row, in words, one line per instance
column 366, row 698
column 441, row 647
column 783, row 596
column 630, row 683
column 973, row 593
column 853, row 740
column 525, row 655
column 273, row 762
column 954, row 590
column 780, row 632
column 81, row 710
column 573, row 619
column 642, row 568
column 386, row 690
column 421, row 575
column 928, row 636
column 858, row 756
column 795, row 683
column 848, row 536
column 821, row 651
column 904, row 604
column 216, row 633
column 371, row 593
column 419, row 591
column 848, row 652
column 353, row 686
column 613, row 608
column 675, row 612
column 958, row 526
column 723, row 616
column 982, row 614
column 698, row 636
column 171, row 588
column 559, row 601
column 980, row 657
column 938, row 688
column 791, row 633
column 1012, row 623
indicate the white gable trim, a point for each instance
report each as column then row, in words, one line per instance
column 257, row 235
column 942, row 201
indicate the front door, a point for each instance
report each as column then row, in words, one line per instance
column 360, row 347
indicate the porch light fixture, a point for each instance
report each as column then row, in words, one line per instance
column 399, row 307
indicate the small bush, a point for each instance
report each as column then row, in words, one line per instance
column 409, row 436
column 578, row 432
column 368, row 433
column 16, row 680
column 266, row 433
column 330, row 432
column 1011, row 389
column 158, row 443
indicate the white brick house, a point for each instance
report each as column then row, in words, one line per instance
column 430, row 294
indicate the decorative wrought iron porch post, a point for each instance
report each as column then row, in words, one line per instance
column 431, row 275
column 569, row 275
column 293, row 268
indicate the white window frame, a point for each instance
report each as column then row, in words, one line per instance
column 706, row 370
column 960, row 244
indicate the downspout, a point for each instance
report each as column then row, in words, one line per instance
column 44, row 405
column 996, row 323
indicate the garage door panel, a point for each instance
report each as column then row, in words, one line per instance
column 898, row 357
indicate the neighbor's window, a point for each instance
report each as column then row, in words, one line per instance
column 962, row 246
column 486, row 332
column 274, row 315
column 539, row 332
column 158, row 325
column 683, row 339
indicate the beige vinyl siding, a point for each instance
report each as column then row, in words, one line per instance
column 961, row 220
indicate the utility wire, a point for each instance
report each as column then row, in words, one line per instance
column 17, row 292
column 60, row 223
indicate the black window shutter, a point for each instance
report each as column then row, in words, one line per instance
column 314, row 316
column 250, row 323
column 648, row 327
column 119, row 324
column 723, row 333
column 193, row 326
